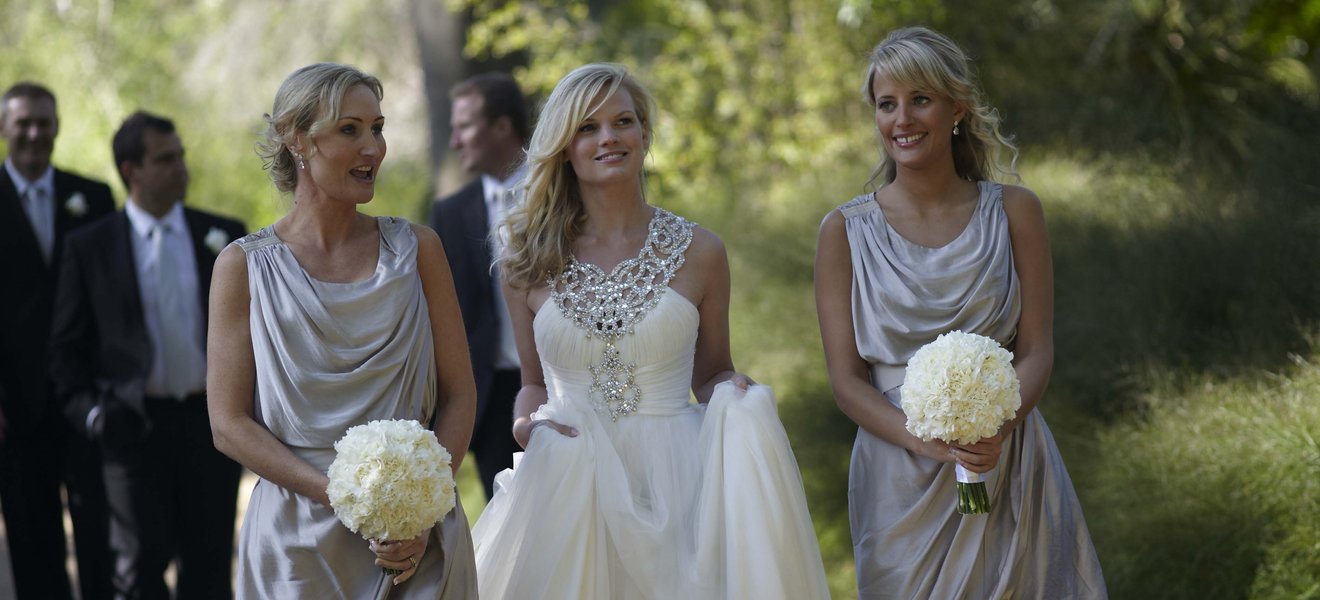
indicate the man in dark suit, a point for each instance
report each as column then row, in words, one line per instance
column 39, row 206
column 490, row 127
column 128, row 355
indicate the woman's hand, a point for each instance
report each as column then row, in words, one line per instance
column 523, row 428
column 741, row 381
column 935, row 448
column 980, row 457
column 401, row 557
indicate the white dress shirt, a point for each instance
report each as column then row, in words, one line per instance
column 178, row 242
column 501, row 195
column 38, row 200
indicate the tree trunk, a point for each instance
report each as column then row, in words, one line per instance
column 440, row 40
column 441, row 36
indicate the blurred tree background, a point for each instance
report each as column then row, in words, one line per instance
column 1172, row 142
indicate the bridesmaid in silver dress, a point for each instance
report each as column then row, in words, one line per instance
column 940, row 246
column 324, row 320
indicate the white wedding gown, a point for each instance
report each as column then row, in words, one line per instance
column 671, row 501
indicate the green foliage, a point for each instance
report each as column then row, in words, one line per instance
column 1159, row 269
column 213, row 67
column 470, row 490
column 1172, row 298
column 746, row 90
column 751, row 90
column 1205, row 81
column 1214, row 492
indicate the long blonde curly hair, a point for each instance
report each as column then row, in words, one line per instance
column 541, row 233
column 922, row 59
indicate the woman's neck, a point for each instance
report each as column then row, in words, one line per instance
column 929, row 187
column 615, row 212
column 316, row 220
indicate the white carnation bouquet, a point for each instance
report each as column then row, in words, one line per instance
column 390, row 480
column 961, row 388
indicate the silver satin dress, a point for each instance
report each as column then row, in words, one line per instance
column 909, row 541
column 330, row 356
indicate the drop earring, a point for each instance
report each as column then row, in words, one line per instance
column 955, row 128
column 302, row 164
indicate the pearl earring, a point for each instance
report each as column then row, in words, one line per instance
column 955, row 128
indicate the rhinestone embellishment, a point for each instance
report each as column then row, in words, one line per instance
column 608, row 306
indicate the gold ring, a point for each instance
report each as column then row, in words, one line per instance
column 413, row 561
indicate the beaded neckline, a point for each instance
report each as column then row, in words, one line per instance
column 609, row 305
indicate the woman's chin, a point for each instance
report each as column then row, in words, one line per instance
column 363, row 193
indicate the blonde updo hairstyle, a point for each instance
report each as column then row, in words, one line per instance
column 921, row 59
column 307, row 102
column 541, row 234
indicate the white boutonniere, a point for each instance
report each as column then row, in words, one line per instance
column 216, row 239
column 76, row 205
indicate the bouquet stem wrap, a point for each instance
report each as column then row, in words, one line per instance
column 961, row 388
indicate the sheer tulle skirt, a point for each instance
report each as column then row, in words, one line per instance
column 703, row 503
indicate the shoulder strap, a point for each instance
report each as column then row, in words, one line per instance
column 861, row 205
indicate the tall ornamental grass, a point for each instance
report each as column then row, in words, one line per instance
column 1214, row 490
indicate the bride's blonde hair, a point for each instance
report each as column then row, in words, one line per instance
column 541, row 233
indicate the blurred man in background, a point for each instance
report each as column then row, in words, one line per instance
column 39, row 206
column 490, row 127
column 130, row 369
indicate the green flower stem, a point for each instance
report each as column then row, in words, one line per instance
column 973, row 498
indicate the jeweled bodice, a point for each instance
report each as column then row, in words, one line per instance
column 605, row 307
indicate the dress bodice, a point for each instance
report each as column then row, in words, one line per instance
column 904, row 295
column 333, row 355
column 662, row 346
column 624, row 340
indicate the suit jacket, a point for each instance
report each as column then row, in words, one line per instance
column 100, row 350
column 25, row 309
column 463, row 224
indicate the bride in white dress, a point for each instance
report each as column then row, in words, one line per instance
column 626, row 489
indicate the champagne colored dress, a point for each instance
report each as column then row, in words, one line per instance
column 909, row 541
column 330, row 356
column 656, row 497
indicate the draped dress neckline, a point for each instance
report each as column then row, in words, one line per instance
column 905, row 294
column 971, row 219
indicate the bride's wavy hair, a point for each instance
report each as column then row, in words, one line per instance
column 921, row 59
column 541, row 233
